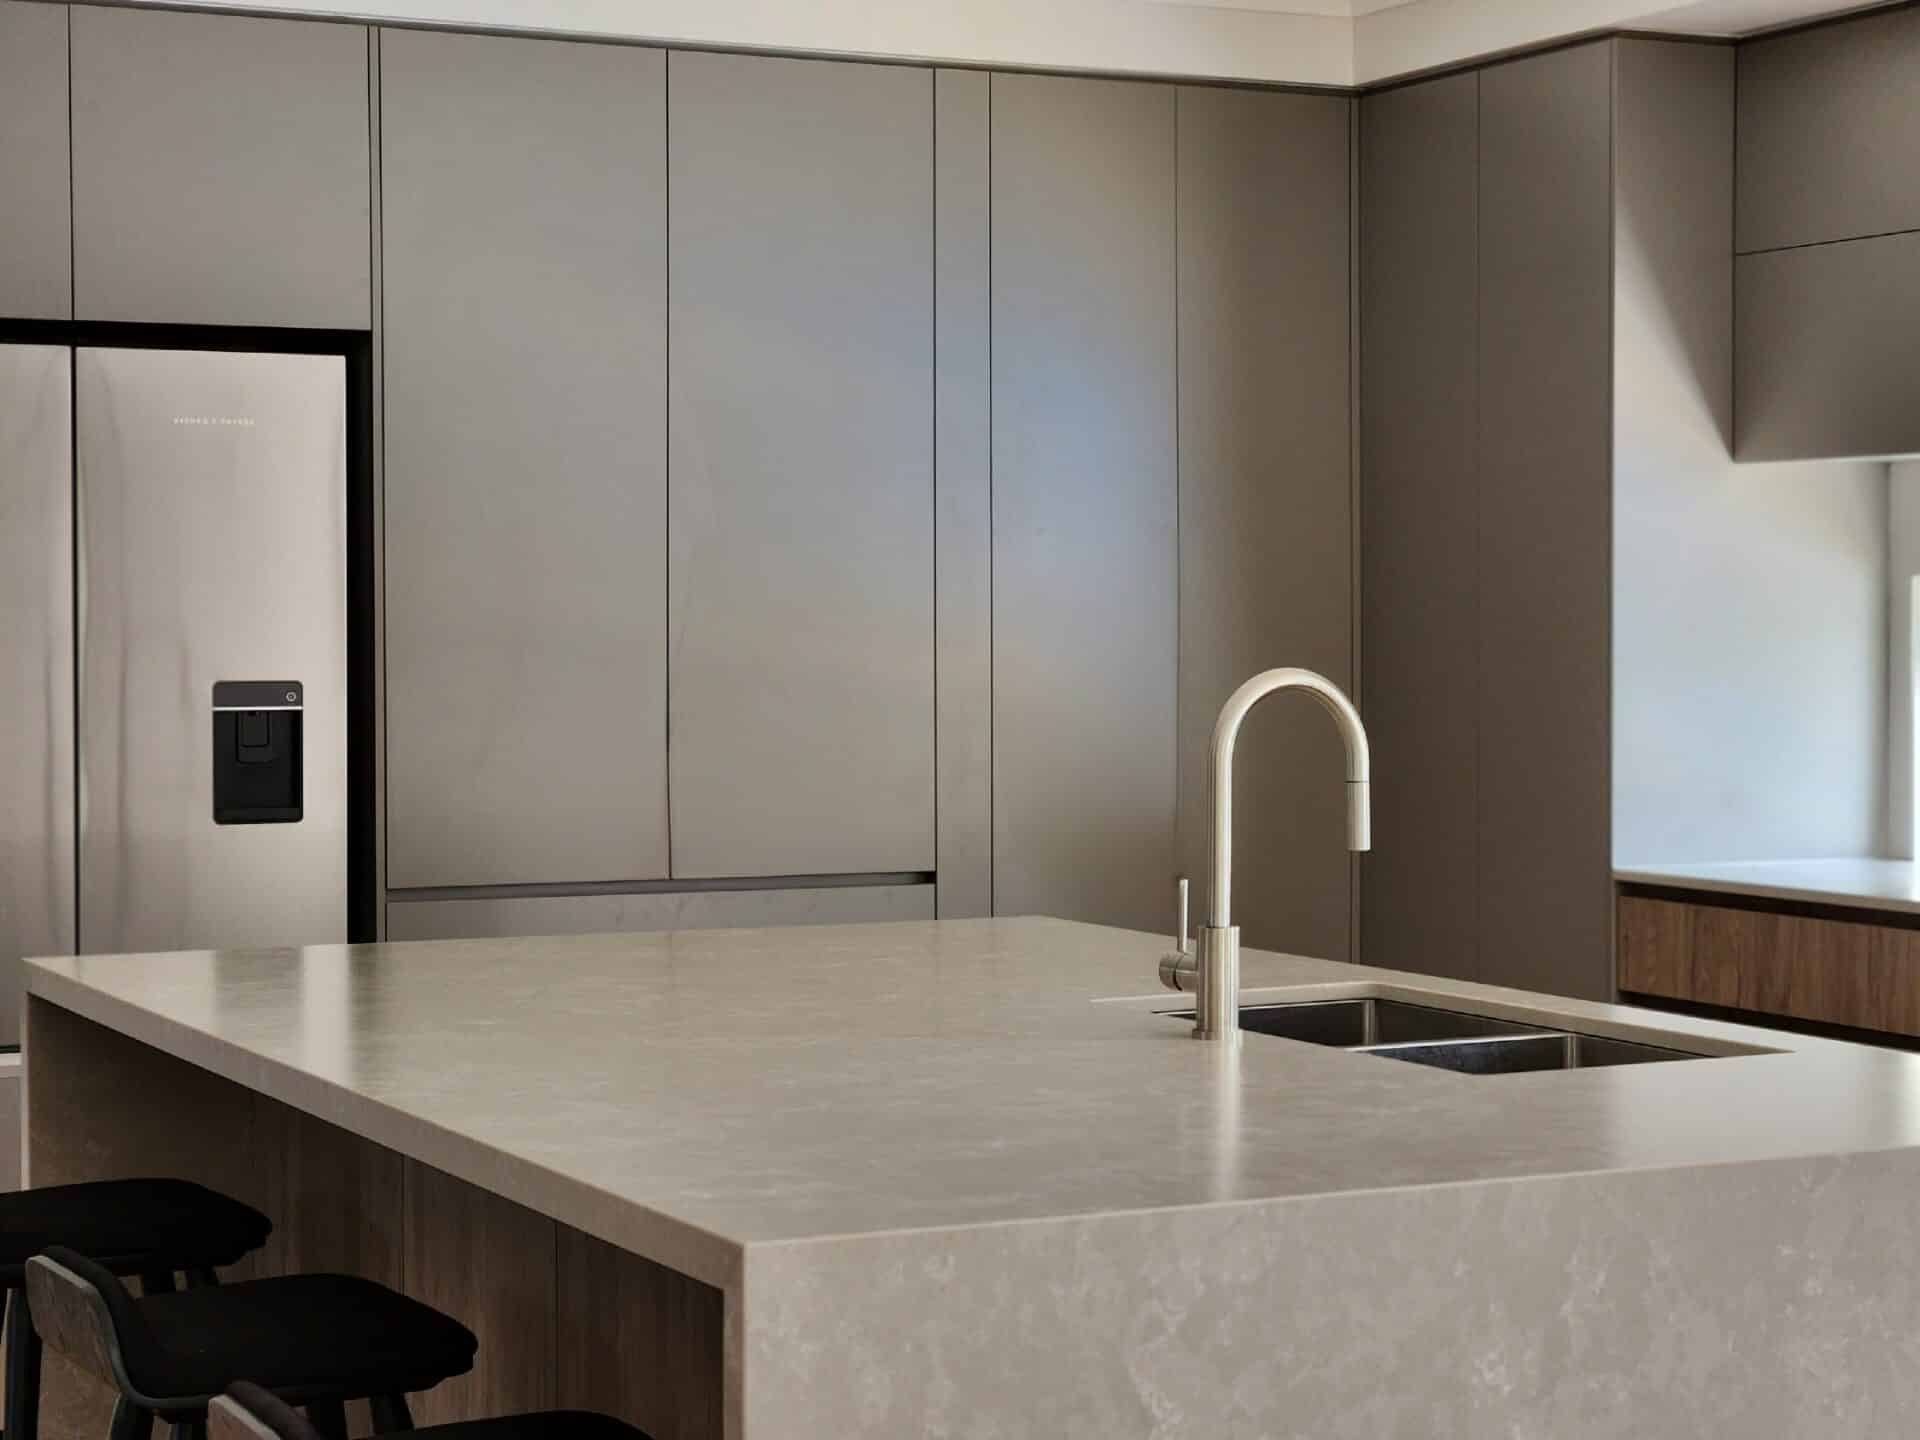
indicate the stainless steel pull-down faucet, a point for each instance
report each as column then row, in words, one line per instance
column 1213, row 974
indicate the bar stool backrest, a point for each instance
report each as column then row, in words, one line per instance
column 247, row 1412
column 68, row 1296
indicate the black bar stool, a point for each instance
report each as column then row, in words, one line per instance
column 314, row 1340
column 247, row 1412
column 149, row 1228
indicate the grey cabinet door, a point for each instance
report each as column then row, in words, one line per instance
column 481, row 919
column 1085, row 549
column 802, row 503
column 1829, row 122
column 36, row 666
column 221, row 172
column 524, row 282
column 36, row 276
column 1826, row 347
column 1266, row 495
column 1545, row 521
column 1420, row 521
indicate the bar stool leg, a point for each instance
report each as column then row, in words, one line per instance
column 329, row 1417
column 187, row 1430
column 130, row 1422
column 390, row 1414
column 23, row 1370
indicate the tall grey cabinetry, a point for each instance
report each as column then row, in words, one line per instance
column 1487, row 485
column 801, row 510
column 1172, row 493
column 1266, row 495
column 1085, row 498
column 524, row 282
column 36, row 281
column 221, row 170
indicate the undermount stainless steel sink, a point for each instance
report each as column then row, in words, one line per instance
column 1516, row 1054
column 1446, row 1039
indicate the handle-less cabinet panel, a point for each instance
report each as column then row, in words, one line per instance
column 1829, row 120
column 801, row 509
column 1545, row 521
column 1085, row 551
column 36, row 277
column 36, row 664
column 485, row 919
column 524, row 283
column 1420, row 521
column 1266, row 507
column 212, row 516
column 1826, row 346
column 220, row 170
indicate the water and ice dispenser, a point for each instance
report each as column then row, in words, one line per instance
column 256, row 751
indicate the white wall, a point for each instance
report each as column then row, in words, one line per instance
column 1749, row 601
column 1903, row 576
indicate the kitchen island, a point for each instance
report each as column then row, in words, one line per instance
column 970, row 1178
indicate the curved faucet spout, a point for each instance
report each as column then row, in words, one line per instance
column 1214, row 969
column 1226, row 734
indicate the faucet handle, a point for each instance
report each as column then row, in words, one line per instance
column 1178, row 968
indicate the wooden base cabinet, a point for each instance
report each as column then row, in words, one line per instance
column 1832, row 971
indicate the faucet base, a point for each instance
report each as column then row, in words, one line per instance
column 1217, row 995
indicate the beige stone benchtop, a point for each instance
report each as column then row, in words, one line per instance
column 1863, row 884
column 695, row 1096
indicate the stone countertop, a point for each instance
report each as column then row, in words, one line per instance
column 1857, row 883
column 691, row 1096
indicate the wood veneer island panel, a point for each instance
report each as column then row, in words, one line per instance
column 564, row 1320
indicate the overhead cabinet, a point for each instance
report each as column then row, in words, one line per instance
column 1827, row 283
column 801, row 515
column 524, row 216
column 221, row 170
column 1829, row 122
column 36, row 282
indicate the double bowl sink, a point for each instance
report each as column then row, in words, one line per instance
column 1446, row 1039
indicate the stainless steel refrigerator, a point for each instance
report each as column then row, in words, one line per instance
column 174, row 653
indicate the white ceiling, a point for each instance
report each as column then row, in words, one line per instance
column 1310, row 42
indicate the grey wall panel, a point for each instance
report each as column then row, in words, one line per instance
column 1829, row 125
column 1726, row 577
column 221, row 170
column 703, row 910
column 1545, row 521
column 802, row 499
column 963, row 482
column 1266, row 575
column 525, row 411
column 1827, row 343
column 1085, row 559
column 36, row 275
column 1420, row 519
column 36, row 665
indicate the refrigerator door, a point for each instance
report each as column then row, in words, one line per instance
column 212, row 514
column 36, row 664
